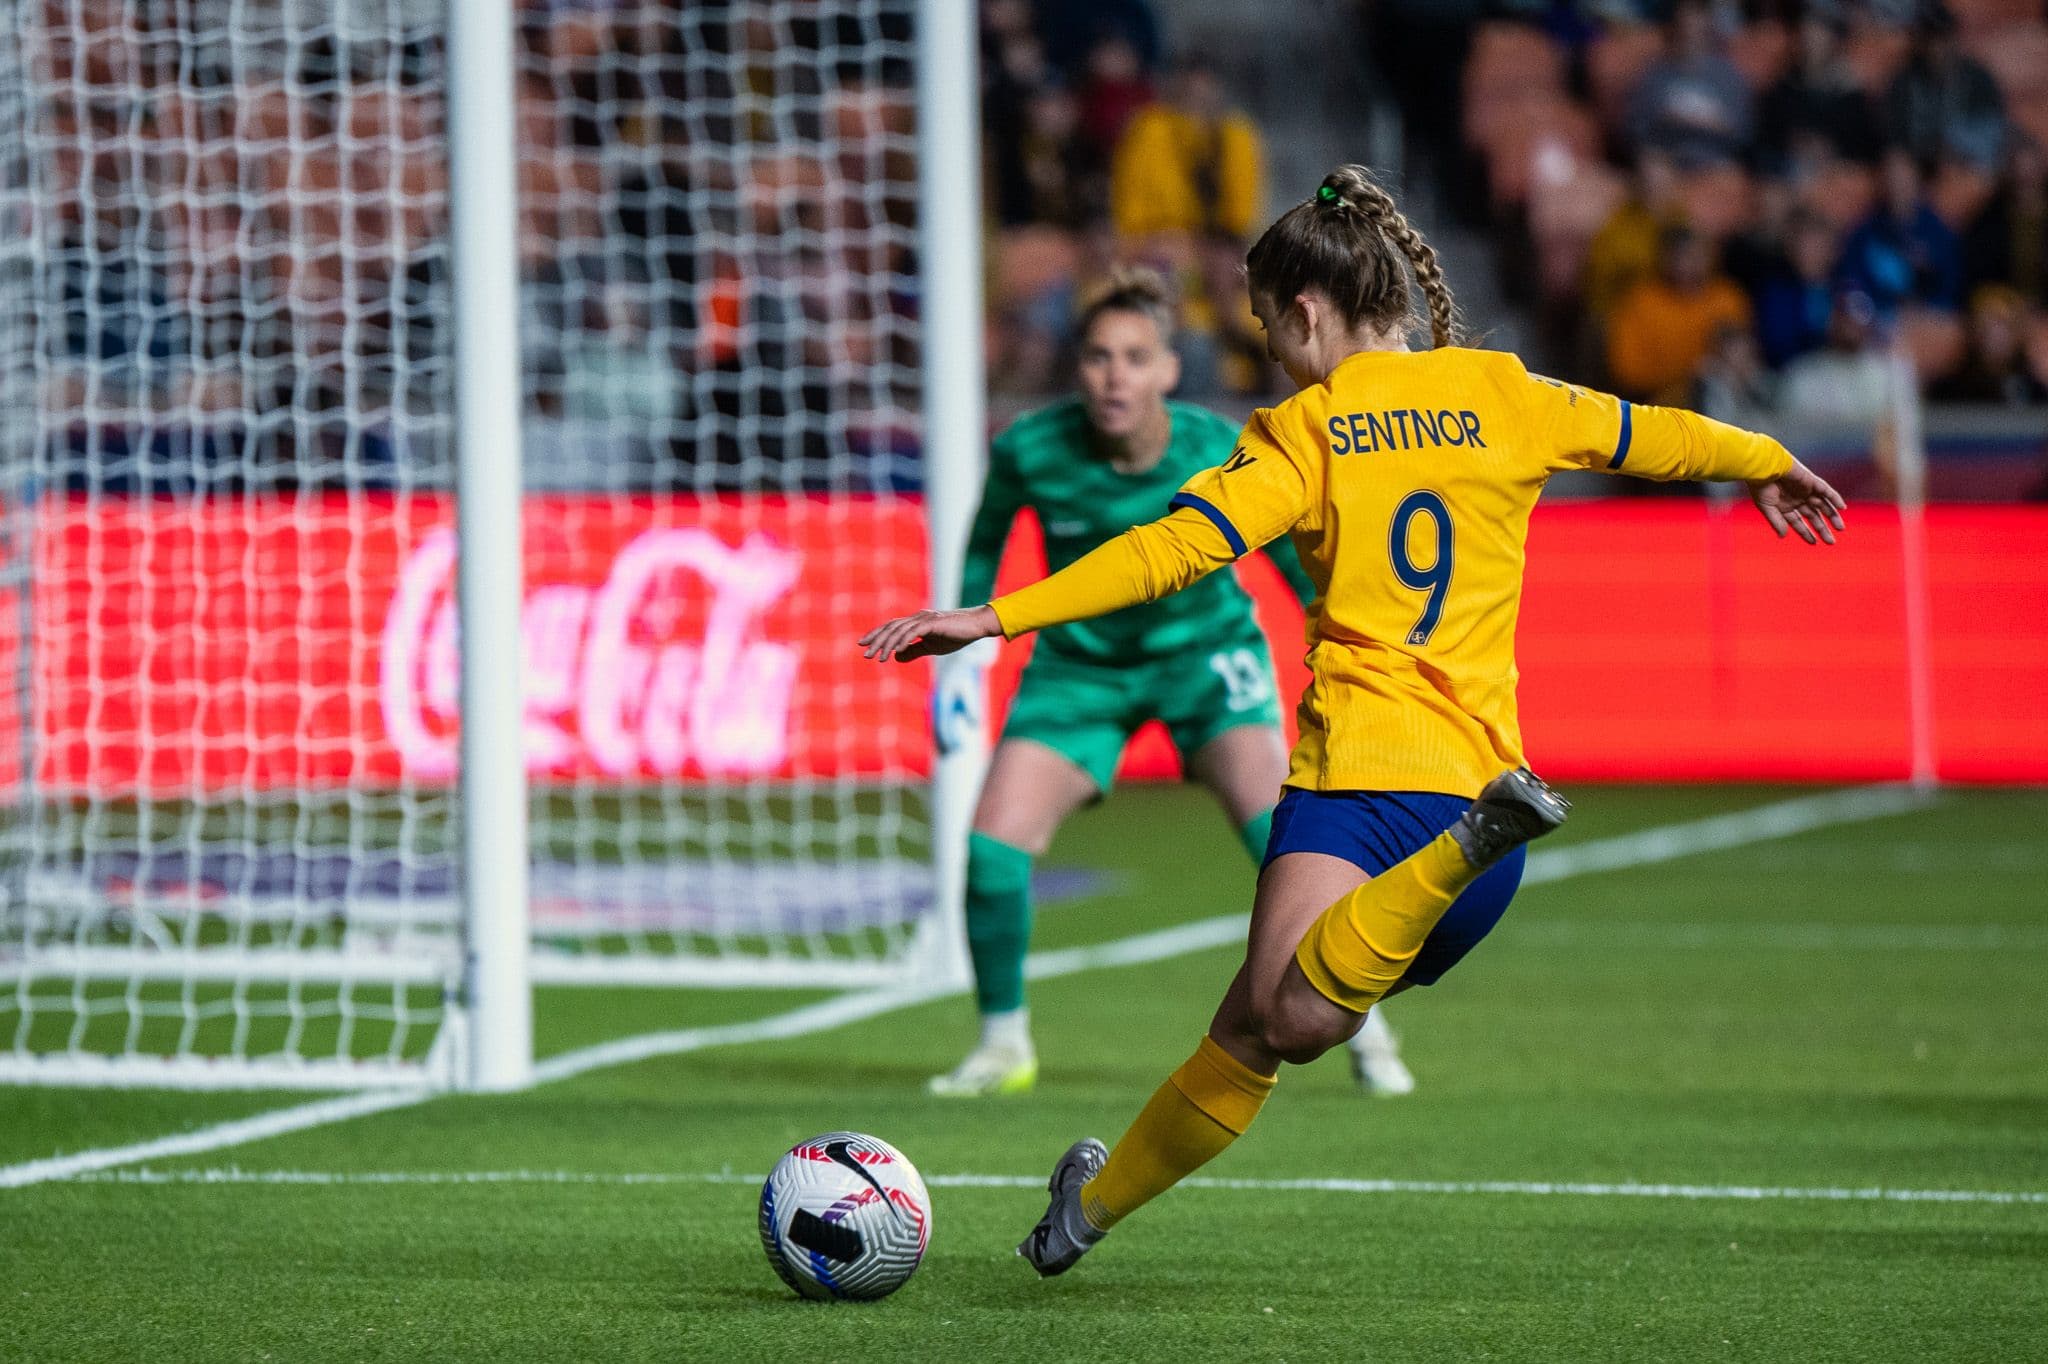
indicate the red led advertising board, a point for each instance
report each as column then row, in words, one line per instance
column 181, row 648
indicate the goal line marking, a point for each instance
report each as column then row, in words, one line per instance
column 1646, row 847
column 1530, row 1188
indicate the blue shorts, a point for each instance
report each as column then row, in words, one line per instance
column 1374, row 830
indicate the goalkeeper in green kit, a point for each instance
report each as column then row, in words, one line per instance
column 1092, row 467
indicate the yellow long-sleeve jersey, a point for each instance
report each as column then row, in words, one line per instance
column 1406, row 481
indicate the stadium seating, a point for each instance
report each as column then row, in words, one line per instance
column 1719, row 200
column 1566, row 207
column 1615, row 61
column 1543, row 141
column 1762, row 52
column 1932, row 340
column 1875, row 53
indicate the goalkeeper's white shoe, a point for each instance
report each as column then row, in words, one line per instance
column 1376, row 1060
column 988, row 1070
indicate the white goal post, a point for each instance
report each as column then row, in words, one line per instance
column 310, row 315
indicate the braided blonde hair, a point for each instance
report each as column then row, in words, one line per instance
column 1351, row 243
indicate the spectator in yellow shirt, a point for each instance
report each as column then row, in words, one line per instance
column 1188, row 164
column 1662, row 326
column 1624, row 251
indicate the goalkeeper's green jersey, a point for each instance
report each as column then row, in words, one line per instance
column 1046, row 461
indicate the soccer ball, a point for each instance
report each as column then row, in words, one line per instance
column 844, row 1215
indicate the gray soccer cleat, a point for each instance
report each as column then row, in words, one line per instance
column 1063, row 1235
column 1514, row 808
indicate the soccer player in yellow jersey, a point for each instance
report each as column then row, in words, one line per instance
column 1406, row 481
column 1092, row 467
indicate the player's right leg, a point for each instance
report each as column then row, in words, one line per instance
column 1029, row 791
column 1363, row 945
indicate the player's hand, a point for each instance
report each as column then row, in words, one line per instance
column 1800, row 501
column 929, row 633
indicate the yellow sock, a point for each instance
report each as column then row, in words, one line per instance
column 1363, row 943
column 1202, row 1108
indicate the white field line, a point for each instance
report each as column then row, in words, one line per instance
column 1788, row 937
column 220, row 1136
column 811, row 1018
column 1544, row 1188
column 1719, row 833
column 1160, row 945
column 1781, row 819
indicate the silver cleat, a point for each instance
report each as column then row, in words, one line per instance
column 1514, row 808
column 1063, row 1235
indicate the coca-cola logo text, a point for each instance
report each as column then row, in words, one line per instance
column 615, row 675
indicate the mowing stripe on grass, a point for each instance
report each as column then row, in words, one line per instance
column 1781, row 819
column 1528, row 1188
column 1160, row 945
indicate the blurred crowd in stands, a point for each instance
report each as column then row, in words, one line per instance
column 240, row 218
column 1777, row 208
column 1098, row 153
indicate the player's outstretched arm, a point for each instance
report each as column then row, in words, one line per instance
column 1599, row 431
column 1799, row 501
column 927, row 634
column 1143, row 564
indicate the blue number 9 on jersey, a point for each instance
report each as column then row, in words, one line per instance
column 1436, row 578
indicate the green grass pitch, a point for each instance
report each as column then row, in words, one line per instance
column 1856, row 1007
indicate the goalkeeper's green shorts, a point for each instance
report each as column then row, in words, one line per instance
column 1087, row 711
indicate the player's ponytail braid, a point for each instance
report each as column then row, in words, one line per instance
column 1351, row 243
column 1357, row 189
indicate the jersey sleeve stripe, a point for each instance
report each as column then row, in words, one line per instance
column 1221, row 522
column 1627, row 434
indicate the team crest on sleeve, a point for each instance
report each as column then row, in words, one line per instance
column 1571, row 391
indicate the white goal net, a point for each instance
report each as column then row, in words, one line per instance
column 721, row 352
column 228, row 746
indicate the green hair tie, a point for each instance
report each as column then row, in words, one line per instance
column 1328, row 195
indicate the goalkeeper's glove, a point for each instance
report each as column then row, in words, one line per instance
column 960, row 696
